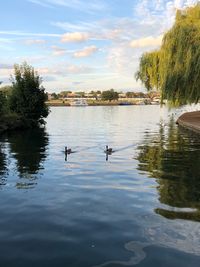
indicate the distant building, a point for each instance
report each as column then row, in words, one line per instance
column 71, row 95
column 122, row 95
column 49, row 97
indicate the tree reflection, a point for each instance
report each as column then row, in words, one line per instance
column 29, row 150
column 3, row 167
column 173, row 157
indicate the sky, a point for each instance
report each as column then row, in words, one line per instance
column 83, row 45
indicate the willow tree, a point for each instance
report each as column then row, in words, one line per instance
column 174, row 69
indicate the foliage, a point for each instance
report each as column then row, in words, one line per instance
column 28, row 96
column 3, row 103
column 175, row 68
column 109, row 95
column 136, row 95
column 149, row 70
column 80, row 94
column 7, row 89
column 65, row 93
column 55, row 96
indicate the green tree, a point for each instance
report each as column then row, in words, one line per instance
column 54, row 96
column 175, row 68
column 109, row 95
column 28, row 96
column 7, row 89
column 64, row 93
column 80, row 94
column 129, row 94
column 3, row 103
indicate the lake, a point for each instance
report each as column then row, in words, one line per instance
column 139, row 206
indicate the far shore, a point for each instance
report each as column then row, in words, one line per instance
column 60, row 103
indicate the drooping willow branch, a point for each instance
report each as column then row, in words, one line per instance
column 174, row 69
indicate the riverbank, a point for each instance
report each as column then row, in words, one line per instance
column 12, row 122
column 190, row 120
column 59, row 103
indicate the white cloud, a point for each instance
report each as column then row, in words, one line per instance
column 21, row 33
column 109, row 29
column 74, row 37
column 85, row 52
column 78, row 69
column 90, row 7
column 35, row 41
column 178, row 3
column 5, row 72
column 49, row 71
column 41, row 3
column 122, row 59
column 6, row 66
column 58, row 51
column 63, row 70
column 147, row 42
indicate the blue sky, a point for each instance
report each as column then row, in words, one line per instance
column 83, row 45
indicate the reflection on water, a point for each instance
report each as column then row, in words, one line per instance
column 87, row 211
column 3, row 166
column 28, row 149
column 173, row 157
column 137, row 248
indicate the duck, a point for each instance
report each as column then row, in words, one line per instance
column 68, row 150
column 108, row 150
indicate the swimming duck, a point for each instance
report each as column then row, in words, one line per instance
column 68, row 150
column 108, row 150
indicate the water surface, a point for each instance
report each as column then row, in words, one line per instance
column 140, row 207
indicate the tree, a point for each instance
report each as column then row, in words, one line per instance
column 109, row 95
column 129, row 94
column 54, row 96
column 28, row 96
column 65, row 93
column 80, row 94
column 174, row 69
column 7, row 89
column 3, row 103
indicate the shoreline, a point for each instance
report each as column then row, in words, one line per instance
column 59, row 104
column 190, row 120
column 14, row 123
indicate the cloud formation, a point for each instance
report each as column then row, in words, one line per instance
column 147, row 42
column 74, row 37
column 78, row 69
column 58, row 51
column 35, row 41
column 91, row 6
column 85, row 52
column 6, row 66
column 73, row 31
